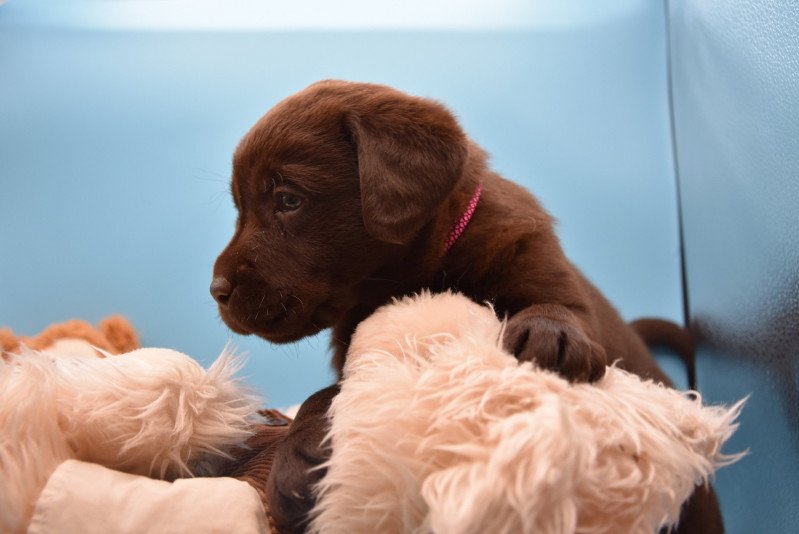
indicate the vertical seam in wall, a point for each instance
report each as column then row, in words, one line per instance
column 690, row 364
column 675, row 161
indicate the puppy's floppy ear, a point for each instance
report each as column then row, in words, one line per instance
column 411, row 153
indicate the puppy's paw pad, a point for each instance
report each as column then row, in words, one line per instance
column 555, row 345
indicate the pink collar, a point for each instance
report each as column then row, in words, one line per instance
column 458, row 228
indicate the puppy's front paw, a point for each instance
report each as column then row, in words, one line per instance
column 555, row 345
column 294, row 474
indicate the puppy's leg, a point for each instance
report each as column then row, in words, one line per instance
column 701, row 514
column 554, row 338
column 295, row 469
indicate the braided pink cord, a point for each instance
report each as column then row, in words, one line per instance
column 458, row 228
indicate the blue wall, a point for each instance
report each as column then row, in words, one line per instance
column 116, row 140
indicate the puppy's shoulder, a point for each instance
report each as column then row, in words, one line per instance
column 510, row 206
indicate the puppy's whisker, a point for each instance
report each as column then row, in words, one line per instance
column 258, row 311
column 217, row 197
column 302, row 304
column 333, row 337
column 210, row 180
column 226, row 177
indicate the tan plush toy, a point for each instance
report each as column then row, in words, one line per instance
column 113, row 335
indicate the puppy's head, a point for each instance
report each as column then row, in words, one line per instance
column 330, row 185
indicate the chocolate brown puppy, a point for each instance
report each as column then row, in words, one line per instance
column 350, row 194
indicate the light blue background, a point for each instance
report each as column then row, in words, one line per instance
column 116, row 135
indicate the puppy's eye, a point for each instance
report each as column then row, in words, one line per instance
column 287, row 201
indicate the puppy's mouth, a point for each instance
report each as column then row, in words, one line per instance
column 281, row 322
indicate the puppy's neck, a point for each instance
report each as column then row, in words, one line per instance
column 425, row 263
column 459, row 226
column 464, row 201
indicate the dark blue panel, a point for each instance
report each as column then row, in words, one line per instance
column 735, row 74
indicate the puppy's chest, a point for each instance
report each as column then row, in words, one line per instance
column 477, row 288
column 508, row 293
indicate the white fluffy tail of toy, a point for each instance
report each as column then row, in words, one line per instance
column 153, row 412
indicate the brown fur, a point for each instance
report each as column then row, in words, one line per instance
column 381, row 177
column 659, row 333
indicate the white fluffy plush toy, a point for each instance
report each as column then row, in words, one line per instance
column 150, row 412
column 438, row 429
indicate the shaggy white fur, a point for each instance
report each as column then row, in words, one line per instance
column 153, row 412
column 437, row 429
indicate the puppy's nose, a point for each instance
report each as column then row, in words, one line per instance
column 220, row 289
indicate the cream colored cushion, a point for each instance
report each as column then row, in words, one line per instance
column 87, row 498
